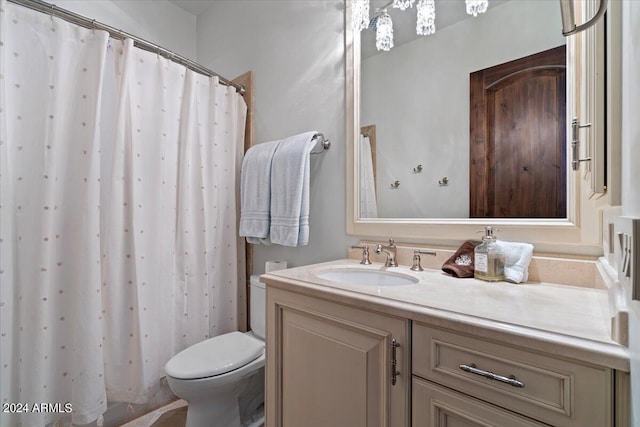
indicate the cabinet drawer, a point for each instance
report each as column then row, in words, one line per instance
column 436, row 406
column 552, row 390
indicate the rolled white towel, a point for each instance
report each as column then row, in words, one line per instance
column 517, row 257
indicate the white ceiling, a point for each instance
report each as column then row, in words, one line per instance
column 195, row 7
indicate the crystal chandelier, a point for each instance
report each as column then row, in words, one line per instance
column 425, row 23
column 384, row 32
column 474, row 7
column 360, row 14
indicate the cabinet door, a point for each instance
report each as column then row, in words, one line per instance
column 436, row 406
column 331, row 365
column 588, row 48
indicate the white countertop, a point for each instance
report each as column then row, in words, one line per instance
column 559, row 319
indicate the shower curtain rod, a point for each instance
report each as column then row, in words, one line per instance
column 53, row 10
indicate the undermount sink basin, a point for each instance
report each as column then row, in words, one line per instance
column 358, row 276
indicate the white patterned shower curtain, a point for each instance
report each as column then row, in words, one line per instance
column 118, row 216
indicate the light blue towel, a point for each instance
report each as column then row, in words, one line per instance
column 290, row 190
column 255, row 192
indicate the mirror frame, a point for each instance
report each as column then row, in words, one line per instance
column 580, row 233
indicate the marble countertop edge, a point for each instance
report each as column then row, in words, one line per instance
column 597, row 349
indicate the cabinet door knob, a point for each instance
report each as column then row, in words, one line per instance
column 511, row 380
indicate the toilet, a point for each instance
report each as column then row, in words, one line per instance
column 213, row 374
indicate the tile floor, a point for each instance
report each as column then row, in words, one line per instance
column 172, row 415
column 175, row 415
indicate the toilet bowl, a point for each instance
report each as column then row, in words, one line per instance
column 212, row 374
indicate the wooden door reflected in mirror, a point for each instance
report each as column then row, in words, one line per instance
column 518, row 139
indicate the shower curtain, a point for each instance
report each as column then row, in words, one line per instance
column 118, row 239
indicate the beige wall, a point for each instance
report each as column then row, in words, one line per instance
column 631, row 168
column 296, row 49
column 630, row 108
column 156, row 21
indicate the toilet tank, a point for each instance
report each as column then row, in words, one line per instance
column 257, row 306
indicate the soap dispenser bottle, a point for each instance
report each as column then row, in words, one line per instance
column 489, row 258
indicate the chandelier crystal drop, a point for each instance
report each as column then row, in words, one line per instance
column 426, row 23
column 381, row 22
column 360, row 14
column 474, row 7
column 403, row 4
column 384, row 32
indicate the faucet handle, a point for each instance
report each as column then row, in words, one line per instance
column 416, row 259
column 365, row 253
column 391, row 242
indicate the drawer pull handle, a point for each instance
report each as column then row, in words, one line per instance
column 394, row 362
column 512, row 381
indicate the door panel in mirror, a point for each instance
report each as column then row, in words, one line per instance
column 518, row 138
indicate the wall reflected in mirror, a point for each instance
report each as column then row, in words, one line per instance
column 417, row 98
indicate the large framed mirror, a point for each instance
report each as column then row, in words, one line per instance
column 426, row 184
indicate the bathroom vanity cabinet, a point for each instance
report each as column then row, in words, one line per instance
column 334, row 365
column 331, row 362
column 488, row 383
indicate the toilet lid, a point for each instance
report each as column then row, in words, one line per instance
column 215, row 356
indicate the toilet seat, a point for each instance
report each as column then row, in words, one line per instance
column 215, row 356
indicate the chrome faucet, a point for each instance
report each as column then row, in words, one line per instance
column 390, row 250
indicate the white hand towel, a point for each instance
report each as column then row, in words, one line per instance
column 290, row 191
column 255, row 192
column 517, row 257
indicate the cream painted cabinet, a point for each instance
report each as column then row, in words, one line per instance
column 437, row 406
column 334, row 363
column 329, row 364
column 494, row 383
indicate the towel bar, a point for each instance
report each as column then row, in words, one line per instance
column 324, row 144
